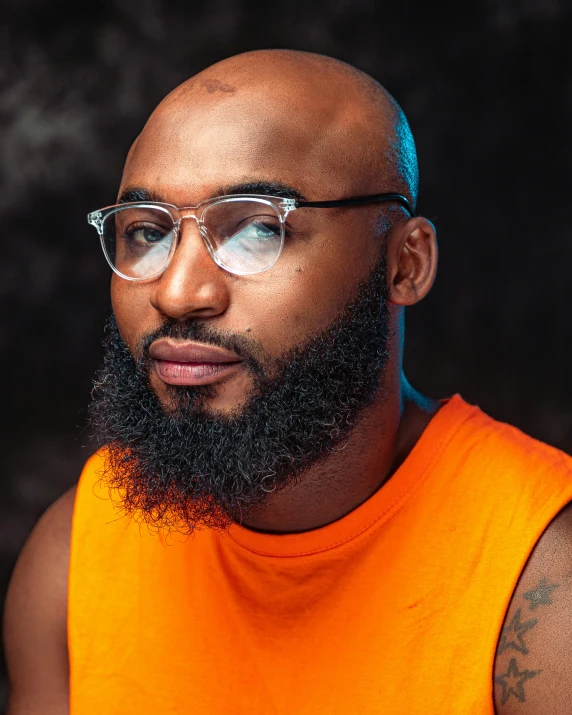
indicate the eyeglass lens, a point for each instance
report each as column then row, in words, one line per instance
column 243, row 236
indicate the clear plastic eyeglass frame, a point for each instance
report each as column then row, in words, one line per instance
column 280, row 205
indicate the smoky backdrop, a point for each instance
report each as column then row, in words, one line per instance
column 487, row 88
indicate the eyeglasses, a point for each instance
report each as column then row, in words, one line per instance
column 243, row 233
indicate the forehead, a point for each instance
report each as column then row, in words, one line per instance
column 193, row 145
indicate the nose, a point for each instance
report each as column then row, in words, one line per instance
column 192, row 286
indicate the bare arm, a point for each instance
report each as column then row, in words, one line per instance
column 35, row 631
column 533, row 667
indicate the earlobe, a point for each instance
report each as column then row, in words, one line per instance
column 413, row 262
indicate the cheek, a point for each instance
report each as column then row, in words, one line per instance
column 132, row 310
column 302, row 295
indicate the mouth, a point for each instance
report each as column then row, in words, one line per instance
column 190, row 363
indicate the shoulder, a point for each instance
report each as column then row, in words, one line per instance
column 533, row 666
column 512, row 470
column 36, row 611
column 511, row 445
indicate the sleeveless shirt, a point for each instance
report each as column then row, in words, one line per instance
column 394, row 609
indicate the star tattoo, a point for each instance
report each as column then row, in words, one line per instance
column 512, row 682
column 512, row 635
column 540, row 596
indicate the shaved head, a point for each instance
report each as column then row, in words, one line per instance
column 340, row 120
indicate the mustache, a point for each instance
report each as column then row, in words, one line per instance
column 246, row 347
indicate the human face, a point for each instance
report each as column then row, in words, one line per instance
column 210, row 147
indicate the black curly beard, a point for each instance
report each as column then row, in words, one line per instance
column 185, row 467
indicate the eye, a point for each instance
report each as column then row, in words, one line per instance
column 145, row 234
column 259, row 231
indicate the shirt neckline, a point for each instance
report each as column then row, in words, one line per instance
column 380, row 507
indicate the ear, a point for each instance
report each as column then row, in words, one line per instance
column 412, row 261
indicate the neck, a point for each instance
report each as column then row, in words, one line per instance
column 380, row 442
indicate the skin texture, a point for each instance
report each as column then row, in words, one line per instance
column 341, row 136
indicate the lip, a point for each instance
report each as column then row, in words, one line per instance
column 190, row 363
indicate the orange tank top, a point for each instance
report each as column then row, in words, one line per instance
column 395, row 609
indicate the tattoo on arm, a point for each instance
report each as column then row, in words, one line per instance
column 512, row 638
column 512, row 682
column 513, row 635
column 540, row 596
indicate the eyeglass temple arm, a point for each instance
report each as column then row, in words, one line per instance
column 358, row 201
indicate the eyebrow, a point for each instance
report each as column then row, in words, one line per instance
column 134, row 194
column 263, row 188
column 260, row 188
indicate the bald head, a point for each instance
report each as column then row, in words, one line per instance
column 334, row 125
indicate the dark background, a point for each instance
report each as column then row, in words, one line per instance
column 488, row 91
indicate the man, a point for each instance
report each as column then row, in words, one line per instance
column 276, row 520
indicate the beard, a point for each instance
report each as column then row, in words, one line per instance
column 180, row 467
